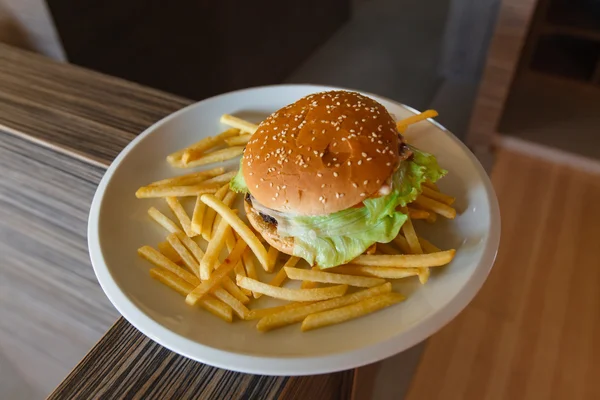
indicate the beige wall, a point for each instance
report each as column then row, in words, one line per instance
column 27, row 24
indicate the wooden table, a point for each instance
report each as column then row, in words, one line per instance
column 60, row 128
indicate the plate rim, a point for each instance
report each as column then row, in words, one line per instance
column 288, row 366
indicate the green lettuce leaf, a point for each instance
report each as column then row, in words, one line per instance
column 238, row 184
column 408, row 178
column 334, row 239
column 338, row 238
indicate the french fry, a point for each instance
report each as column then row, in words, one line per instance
column 209, row 214
column 187, row 258
column 413, row 119
column 272, row 256
column 197, row 216
column 223, row 178
column 240, row 227
column 377, row 272
column 424, row 274
column 240, row 270
column 168, row 251
column 208, row 158
column 238, row 140
column 439, row 196
column 372, row 249
column 281, row 276
column 211, row 257
column 189, row 179
column 250, row 271
column 407, row 260
column 228, row 201
column 359, row 309
column 411, row 237
column 291, row 294
column 192, row 246
column 427, row 246
column 308, row 285
column 415, row 247
column 386, row 248
column 432, row 218
column 231, row 301
column 225, row 268
column 171, row 280
column 148, row 192
column 439, row 208
column 328, row 277
column 230, row 240
column 297, row 314
column 263, row 312
column 209, row 303
column 163, row 220
column 239, row 123
column 184, row 219
column 415, row 213
column 431, row 185
column 401, row 242
column 202, row 145
column 152, row 255
column 235, row 291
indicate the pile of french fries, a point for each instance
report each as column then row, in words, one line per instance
column 210, row 257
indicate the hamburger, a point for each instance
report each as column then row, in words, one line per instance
column 326, row 177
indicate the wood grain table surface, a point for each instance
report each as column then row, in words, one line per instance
column 60, row 127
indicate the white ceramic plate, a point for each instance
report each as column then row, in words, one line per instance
column 119, row 224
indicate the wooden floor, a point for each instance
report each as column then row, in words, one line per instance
column 532, row 332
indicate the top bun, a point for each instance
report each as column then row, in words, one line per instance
column 326, row 152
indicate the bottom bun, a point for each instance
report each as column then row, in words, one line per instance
column 269, row 231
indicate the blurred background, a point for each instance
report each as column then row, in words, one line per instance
column 522, row 76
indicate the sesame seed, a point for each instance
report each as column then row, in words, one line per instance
column 319, row 174
column 323, row 185
column 388, row 164
column 335, row 174
column 257, row 186
column 262, row 179
column 273, row 198
column 359, row 162
column 369, row 158
column 251, row 173
column 365, row 182
column 270, row 184
column 363, row 194
column 349, row 163
column 354, row 184
column 276, row 194
column 284, row 186
column 363, row 154
column 336, row 165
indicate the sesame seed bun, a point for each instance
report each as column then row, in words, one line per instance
column 325, row 153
